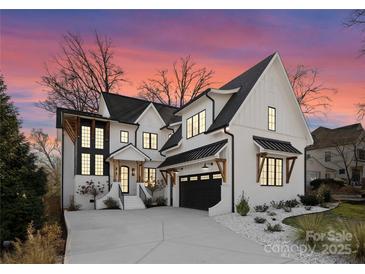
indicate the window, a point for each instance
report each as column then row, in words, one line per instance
column 272, row 172
column 327, row 156
column 85, row 136
column 149, row 175
column 361, row 154
column 217, row 176
column 193, row 178
column 124, row 178
column 85, row 164
column 124, row 136
column 195, row 124
column 272, row 118
column 341, row 171
column 99, row 164
column 99, row 138
column 149, row 140
column 204, row 177
column 183, row 179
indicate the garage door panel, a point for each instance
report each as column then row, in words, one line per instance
column 200, row 194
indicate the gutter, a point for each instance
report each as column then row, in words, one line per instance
column 232, row 165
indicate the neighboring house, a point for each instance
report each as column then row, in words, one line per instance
column 337, row 153
column 249, row 136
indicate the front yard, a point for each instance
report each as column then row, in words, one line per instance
column 285, row 242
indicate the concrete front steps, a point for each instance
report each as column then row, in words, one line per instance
column 133, row 202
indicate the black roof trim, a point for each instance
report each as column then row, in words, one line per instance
column 277, row 145
column 59, row 111
column 173, row 140
column 245, row 82
column 194, row 154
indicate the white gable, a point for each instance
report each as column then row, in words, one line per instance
column 103, row 109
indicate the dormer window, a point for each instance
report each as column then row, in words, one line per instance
column 195, row 124
column 271, row 118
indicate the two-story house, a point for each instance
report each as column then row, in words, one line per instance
column 249, row 135
column 337, row 153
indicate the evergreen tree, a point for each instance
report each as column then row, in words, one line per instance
column 22, row 184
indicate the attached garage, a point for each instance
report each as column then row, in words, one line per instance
column 200, row 191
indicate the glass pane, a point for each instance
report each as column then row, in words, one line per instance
column 271, row 172
column 189, row 129
column 146, row 140
column 204, row 177
column 153, row 141
column 263, row 177
column 85, row 136
column 124, row 178
column 99, row 138
column 183, row 179
column 217, row 176
column 202, row 121
column 99, row 165
column 85, row 164
column 279, row 172
column 145, row 175
column 124, row 136
column 272, row 118
column 195, row 125
column 194, row 178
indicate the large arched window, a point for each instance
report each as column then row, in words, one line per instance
column 124, row 178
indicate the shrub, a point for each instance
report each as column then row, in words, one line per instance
column 287, row 209
column 291, row 203
column 273, row 228
column 357, row 241
column 308, row 200
column 277, row 205
column 310, row 224
column 323, row 194
column 73, row 206
column 242, row 207
column 161, row 201
column 271, row 213
column 332, row 183
column 260, row 220
column 110, row 203
column 261, row 208
column 41, row 247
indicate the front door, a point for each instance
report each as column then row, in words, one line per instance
column 124, row 178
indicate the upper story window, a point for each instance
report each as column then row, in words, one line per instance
column 361, row 154
column 327, row 156
column 272, row 172
column 124, row 136
column 85, row 136
column 99, row 138
column 195, row 124
column 271, row 118
column 149, row 140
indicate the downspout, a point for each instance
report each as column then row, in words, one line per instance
column 135, row 135
column 213, row 106
column 232, row 165
column 305, row 171
column 173, row 131
column 62, row 163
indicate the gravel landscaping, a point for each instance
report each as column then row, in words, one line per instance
column 276, row 242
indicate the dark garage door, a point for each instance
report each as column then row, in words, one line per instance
column 200, row 191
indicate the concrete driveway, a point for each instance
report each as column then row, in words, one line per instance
column 157, row 235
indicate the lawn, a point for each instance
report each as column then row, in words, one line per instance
column 351, row 213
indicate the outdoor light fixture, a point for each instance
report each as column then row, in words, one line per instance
column 205, row 167
column 133, row 172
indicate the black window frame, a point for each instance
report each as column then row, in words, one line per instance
column 150, row 147
column 192, row 125
column 120, row 178
column 268, row 119
column 267, row 172
column 361, row 154
column 148, row 171
column 120, row 136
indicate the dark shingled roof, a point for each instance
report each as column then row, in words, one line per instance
column 245, row 82
column 128, row 109
column 173, row 140
column 194, row 154
column 273, row 144
column 326, row 137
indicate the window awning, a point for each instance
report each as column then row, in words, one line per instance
column 194, row 154
column 268, row 144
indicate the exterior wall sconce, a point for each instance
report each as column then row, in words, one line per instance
column 133, row 172
column 205, row 167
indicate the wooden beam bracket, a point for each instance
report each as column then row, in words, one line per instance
column 260, row 159
column 289, row 167
column 222, row 167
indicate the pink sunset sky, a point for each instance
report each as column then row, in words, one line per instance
column 227, row 41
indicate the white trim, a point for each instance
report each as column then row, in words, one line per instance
column 151, row 105
column 174, row 147
column 175, row 124
column 186, row 108
column 223, row 91
column 126, row 147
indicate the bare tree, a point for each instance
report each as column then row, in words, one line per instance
column 49, row 156
column 357, row 19
column 360, row 111
column 185, row 83
column 312, row 96
column 80, row 74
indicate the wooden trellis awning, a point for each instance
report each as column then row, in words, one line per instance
column 71, row 126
